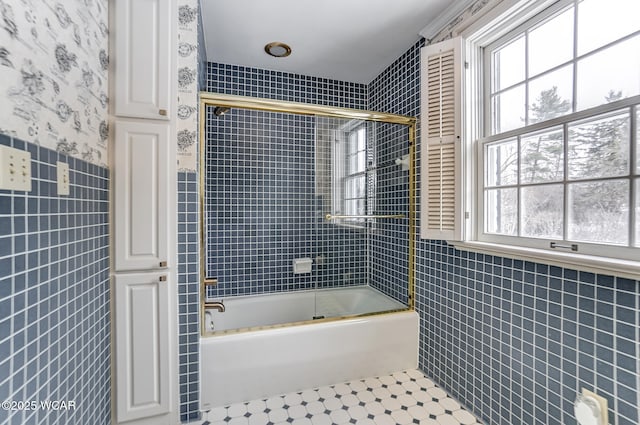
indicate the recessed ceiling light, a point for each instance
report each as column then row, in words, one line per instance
column 277, row 49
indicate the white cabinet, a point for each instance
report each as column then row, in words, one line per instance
column 141, row 188
column 143, row 96
column 142, row 356
column 142, row 50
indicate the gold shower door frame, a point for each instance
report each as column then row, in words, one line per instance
column 270, row 105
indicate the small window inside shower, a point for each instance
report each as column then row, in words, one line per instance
column 353, row 181
column 352, row 172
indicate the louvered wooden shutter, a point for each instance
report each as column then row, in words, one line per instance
column 441, row 190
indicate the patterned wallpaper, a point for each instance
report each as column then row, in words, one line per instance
column 466, row 17
column 53, row 61
column 190, row 76
column 187, row 84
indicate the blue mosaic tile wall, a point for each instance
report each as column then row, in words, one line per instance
column 394, row 91
column 188, row 295
column 264, row 210
column 397, row 89
column 389, row 250
column 515, row 341
column 54, row 293
column 264, row 83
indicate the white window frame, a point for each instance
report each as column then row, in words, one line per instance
column 339, row 160
column 615, row 251
column 507, row 16
column 351, row 150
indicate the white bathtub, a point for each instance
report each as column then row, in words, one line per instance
column 242, row 366
column 264, row 310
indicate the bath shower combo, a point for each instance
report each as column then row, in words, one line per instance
column 257, row 342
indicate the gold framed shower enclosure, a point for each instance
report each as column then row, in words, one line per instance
column 270, row 105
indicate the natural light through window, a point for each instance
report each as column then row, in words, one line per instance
column 576, row 58
column 560, row 164
column 355, row 188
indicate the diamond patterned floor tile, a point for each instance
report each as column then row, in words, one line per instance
column 402, row 398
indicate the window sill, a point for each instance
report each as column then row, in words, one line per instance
column 599, row 265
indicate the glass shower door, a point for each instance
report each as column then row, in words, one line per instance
column 363, row 216
column 280, row 187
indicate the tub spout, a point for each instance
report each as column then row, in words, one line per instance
column 215, row 305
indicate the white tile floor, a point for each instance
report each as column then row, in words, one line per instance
column 403, row 398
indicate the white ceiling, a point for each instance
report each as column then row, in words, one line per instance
column 348, row 40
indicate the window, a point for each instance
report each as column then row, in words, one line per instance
column 354, row 182
column 559, row 163
column 354, row 174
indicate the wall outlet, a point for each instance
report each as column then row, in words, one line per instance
column 15, row 169
column 63, row 178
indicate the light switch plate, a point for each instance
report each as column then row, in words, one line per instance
column 15, row 169
column 63, row 178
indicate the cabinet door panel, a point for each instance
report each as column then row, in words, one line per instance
column 142, row 58
column 141, row 187
column 143, row 371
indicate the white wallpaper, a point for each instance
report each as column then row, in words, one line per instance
column 53, row 75
column 187, row 123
